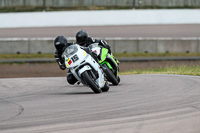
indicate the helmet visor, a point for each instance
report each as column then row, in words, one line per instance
column 59, row 46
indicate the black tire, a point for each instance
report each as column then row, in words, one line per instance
column 106, row 87
column 110, row 76
column 118, row 79
column 91, row 82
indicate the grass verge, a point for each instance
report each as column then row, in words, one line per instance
column 75, row 8
column 78, row 8
column 25, row 56
column 117, row 55
column 181, row 70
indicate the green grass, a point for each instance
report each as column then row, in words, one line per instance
column 77, row 8
column 169, row 7
column 182, row 70
column 47, row 8
column 117, row 55
column 25, row 56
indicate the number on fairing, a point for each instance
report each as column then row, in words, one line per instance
column 74, row 58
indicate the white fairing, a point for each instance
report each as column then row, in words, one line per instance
column 95, row 48
column 78, row 61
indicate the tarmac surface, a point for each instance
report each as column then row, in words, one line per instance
column 125, row 31
column 140, row 104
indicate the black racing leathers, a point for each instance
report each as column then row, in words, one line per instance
column 102, row 43
column 70, row 78
column 58, row 57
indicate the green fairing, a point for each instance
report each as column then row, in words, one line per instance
column 113, row 59
column 104, row 53
column 108, row 64
column 103, row 57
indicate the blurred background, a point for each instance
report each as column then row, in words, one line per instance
column 143, row 34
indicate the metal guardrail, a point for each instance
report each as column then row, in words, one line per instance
column 137, row 59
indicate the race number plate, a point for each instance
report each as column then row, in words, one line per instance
column 75, row 58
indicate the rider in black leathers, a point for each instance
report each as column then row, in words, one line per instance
column 83, row 40
column 61, row 44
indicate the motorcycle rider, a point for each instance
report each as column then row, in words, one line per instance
column 61, row 44
column 83, row 40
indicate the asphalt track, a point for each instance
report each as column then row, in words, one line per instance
column 140, row 104
column 125, row 31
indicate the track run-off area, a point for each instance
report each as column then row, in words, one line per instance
column 139, row 104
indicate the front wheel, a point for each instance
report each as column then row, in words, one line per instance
column 110, row 76
column 106, row 87
column 90, row 81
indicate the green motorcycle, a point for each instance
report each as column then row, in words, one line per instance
column 109, row 64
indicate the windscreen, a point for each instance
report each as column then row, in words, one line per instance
column 94, row 45
column 70, row 50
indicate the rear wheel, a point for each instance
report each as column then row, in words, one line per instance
column 91, row 82
column 110, row 76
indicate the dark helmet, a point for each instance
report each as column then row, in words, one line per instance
column 81, row 37
column 60, row 42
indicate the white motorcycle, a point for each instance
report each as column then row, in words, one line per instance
column 85, row 69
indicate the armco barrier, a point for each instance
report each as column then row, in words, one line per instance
column 118, row 45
